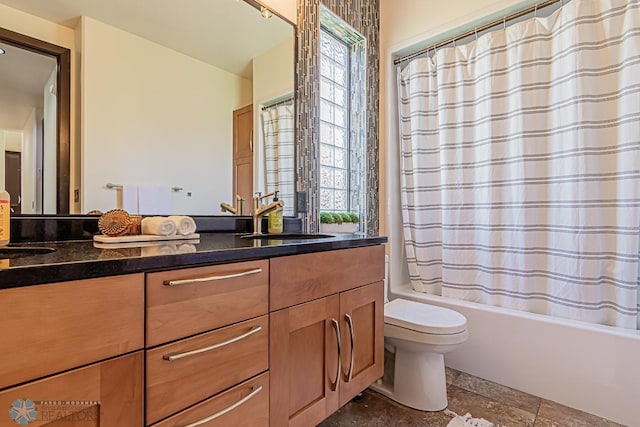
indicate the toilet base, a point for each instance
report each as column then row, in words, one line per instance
column 419, row 381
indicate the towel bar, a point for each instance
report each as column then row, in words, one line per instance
column 111, row 186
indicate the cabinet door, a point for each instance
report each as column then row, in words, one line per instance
column 361, row 324
column 304, row 367
column 106, row 394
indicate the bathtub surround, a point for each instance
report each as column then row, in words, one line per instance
column 519, row 158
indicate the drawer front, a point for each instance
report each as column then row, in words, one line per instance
column 186, row 302
column 245, row 405
column 106, row 394
column 54, row 327
column 204, row 365
column 300, row 278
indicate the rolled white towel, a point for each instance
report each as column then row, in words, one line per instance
column 159, row 226
column 185, row 224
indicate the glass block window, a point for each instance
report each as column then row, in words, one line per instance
column 343, row 125
column 335, row 59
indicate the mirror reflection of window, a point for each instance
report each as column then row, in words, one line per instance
column 342, row 117
column 278, row 132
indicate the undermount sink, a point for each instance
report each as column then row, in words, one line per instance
column 20, row 251
column 288, row 236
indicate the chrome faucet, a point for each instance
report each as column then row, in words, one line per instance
column 238, row 210
column 259, row 211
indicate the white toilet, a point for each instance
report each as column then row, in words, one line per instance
column 420, row 334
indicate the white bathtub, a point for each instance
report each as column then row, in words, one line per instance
column 589, row 367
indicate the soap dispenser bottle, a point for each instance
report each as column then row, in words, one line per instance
column 5, row 217
column 275, row 219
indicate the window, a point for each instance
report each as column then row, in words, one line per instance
column 334, row 123
column 342, row 117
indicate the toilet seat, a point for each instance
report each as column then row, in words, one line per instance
column 423, row 318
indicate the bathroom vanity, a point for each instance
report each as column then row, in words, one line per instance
column 250, row 333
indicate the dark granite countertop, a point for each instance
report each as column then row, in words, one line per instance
column 82, row 259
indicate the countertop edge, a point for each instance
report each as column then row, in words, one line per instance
column 89, row 269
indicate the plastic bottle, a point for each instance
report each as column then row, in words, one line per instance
column 5, row 217
column 275, row 219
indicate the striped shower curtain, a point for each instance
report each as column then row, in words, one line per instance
column 520, row 165
column 279, row 153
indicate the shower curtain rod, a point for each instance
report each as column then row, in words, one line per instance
column 477, row 30
column 278, row 101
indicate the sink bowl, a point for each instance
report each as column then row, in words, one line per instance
column 20, row 251
column 287, row 236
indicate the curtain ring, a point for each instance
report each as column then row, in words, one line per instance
column 476, row 31
column 535, row 11
column 504, row 23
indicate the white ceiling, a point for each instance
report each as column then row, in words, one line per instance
column 223, row 33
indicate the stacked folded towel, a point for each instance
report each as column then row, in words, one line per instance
column 159, row 226
column 169, row 226
column 185, row 224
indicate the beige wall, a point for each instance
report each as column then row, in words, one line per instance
column 153, row 116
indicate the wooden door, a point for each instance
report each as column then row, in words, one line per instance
column 107, row 394
column 303, row 363
column 243, row 152
column 12, row 179
column 361, row 324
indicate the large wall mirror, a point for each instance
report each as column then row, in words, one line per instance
column 187, row 103
column 34, row 123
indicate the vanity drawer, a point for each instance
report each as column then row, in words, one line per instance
column 54, row 327
column 105, row 394
column 301, row 278
column 228, row 356
column 249, row 402
column 186, row 302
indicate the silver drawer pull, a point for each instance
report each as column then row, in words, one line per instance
column 176, row 356
column 212, row 278
column 254, row 391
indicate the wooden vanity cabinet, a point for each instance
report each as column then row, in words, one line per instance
column 207, row 332
column 326, row 345
column 281, row 341
column 70, row 342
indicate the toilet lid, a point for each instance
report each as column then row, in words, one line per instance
column 424, row 318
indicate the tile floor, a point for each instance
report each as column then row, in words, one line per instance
column 501, row 405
